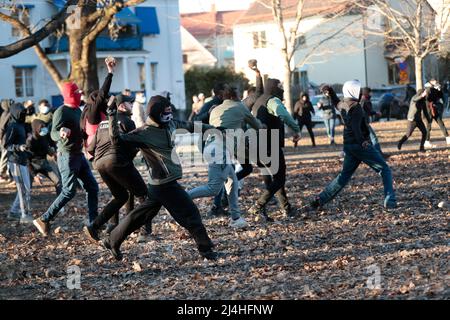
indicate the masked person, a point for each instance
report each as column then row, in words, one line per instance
column 303, row 111
column 72, row 164
column 39, row 146
column 5, row 118
column 328, row 106
column 269, row 109
column 416, row 109
column 95, row 110
column 18, row 158
column 114, row 163
column 154, row 139
column 45, row 113
column 357, row 148
column 434, row 111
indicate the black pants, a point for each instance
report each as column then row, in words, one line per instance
column 180, row 206
column 438, row 119
column 309, row 126
column 412, row 125
column 273, row 180
column 124, row 182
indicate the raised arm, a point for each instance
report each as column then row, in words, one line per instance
column 277, row 108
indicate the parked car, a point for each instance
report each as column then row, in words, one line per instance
column 318, row 117
column 390, row 101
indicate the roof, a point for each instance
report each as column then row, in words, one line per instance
column 261, row 11
column 208, row 23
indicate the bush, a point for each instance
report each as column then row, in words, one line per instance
column 202, row 79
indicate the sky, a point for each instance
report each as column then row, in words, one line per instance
column 187, row 6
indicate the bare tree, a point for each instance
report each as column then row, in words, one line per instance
column 82, row 27
column 289, row 38
column 411, row 27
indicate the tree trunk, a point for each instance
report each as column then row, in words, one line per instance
column 418, row 61
column 287, row 88
column 83, row 60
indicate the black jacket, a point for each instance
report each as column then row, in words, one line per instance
column 103, row 150
column 96, row 104
column 16, row 136
column 303, row 111
column 4, row 119
column 261, row 112
column 356, row 127
column 39, row 146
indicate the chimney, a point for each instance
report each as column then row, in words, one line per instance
column 213, row 7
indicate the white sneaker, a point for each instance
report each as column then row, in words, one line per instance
column 448, row 140
column 26, row 219
column 238, row 223
column 429, row 145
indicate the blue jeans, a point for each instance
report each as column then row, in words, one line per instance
column 354, row 155
column 218, row 175
column 330, row 124
column 75, row 171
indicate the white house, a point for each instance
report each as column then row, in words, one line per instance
column 346, row 55
column 194, row 53
column 149, row 55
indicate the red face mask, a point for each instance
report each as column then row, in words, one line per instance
column 71, row 94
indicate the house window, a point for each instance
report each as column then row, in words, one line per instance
column 141, row 76
column 259, row 39
column 24, row 82
column 185, row 58
column 300, row 41
column 23, row 15
column 154, row 74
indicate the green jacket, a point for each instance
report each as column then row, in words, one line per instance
column 157, row 146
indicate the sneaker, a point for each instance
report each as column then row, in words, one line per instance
column 448, row 140
column 399, row 145
column 14, row 216
column 42, row 226
column 28, row 218
column 217, row 211
column 91, row 233
column 209, row 255
column 238, row 223
column 422, row 150
column 429, row 145
column 115, row 252
column 110, row 228
column 390, row 202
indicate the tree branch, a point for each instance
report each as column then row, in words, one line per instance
column 25, row 43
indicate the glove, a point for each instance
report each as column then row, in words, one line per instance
column 112, row 106
column 23, row 147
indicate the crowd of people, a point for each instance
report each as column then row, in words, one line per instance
column 107, row 132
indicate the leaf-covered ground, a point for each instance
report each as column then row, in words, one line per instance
column 333, row 257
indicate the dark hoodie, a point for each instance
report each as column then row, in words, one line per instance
column 356, row 128
column 260, row 111
column 303, row 109
column 104, row 151
column 4, row 119
column 16, row 135
column 39, row 146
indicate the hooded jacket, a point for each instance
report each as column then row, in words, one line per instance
column 356, row 127
column 417, row 107
column 16, row 135
column 4, row 119
column 155, row 142
column 303, row 110
column 95, row 110
column 273, row 118
column 329, row 103
column 39, row 146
